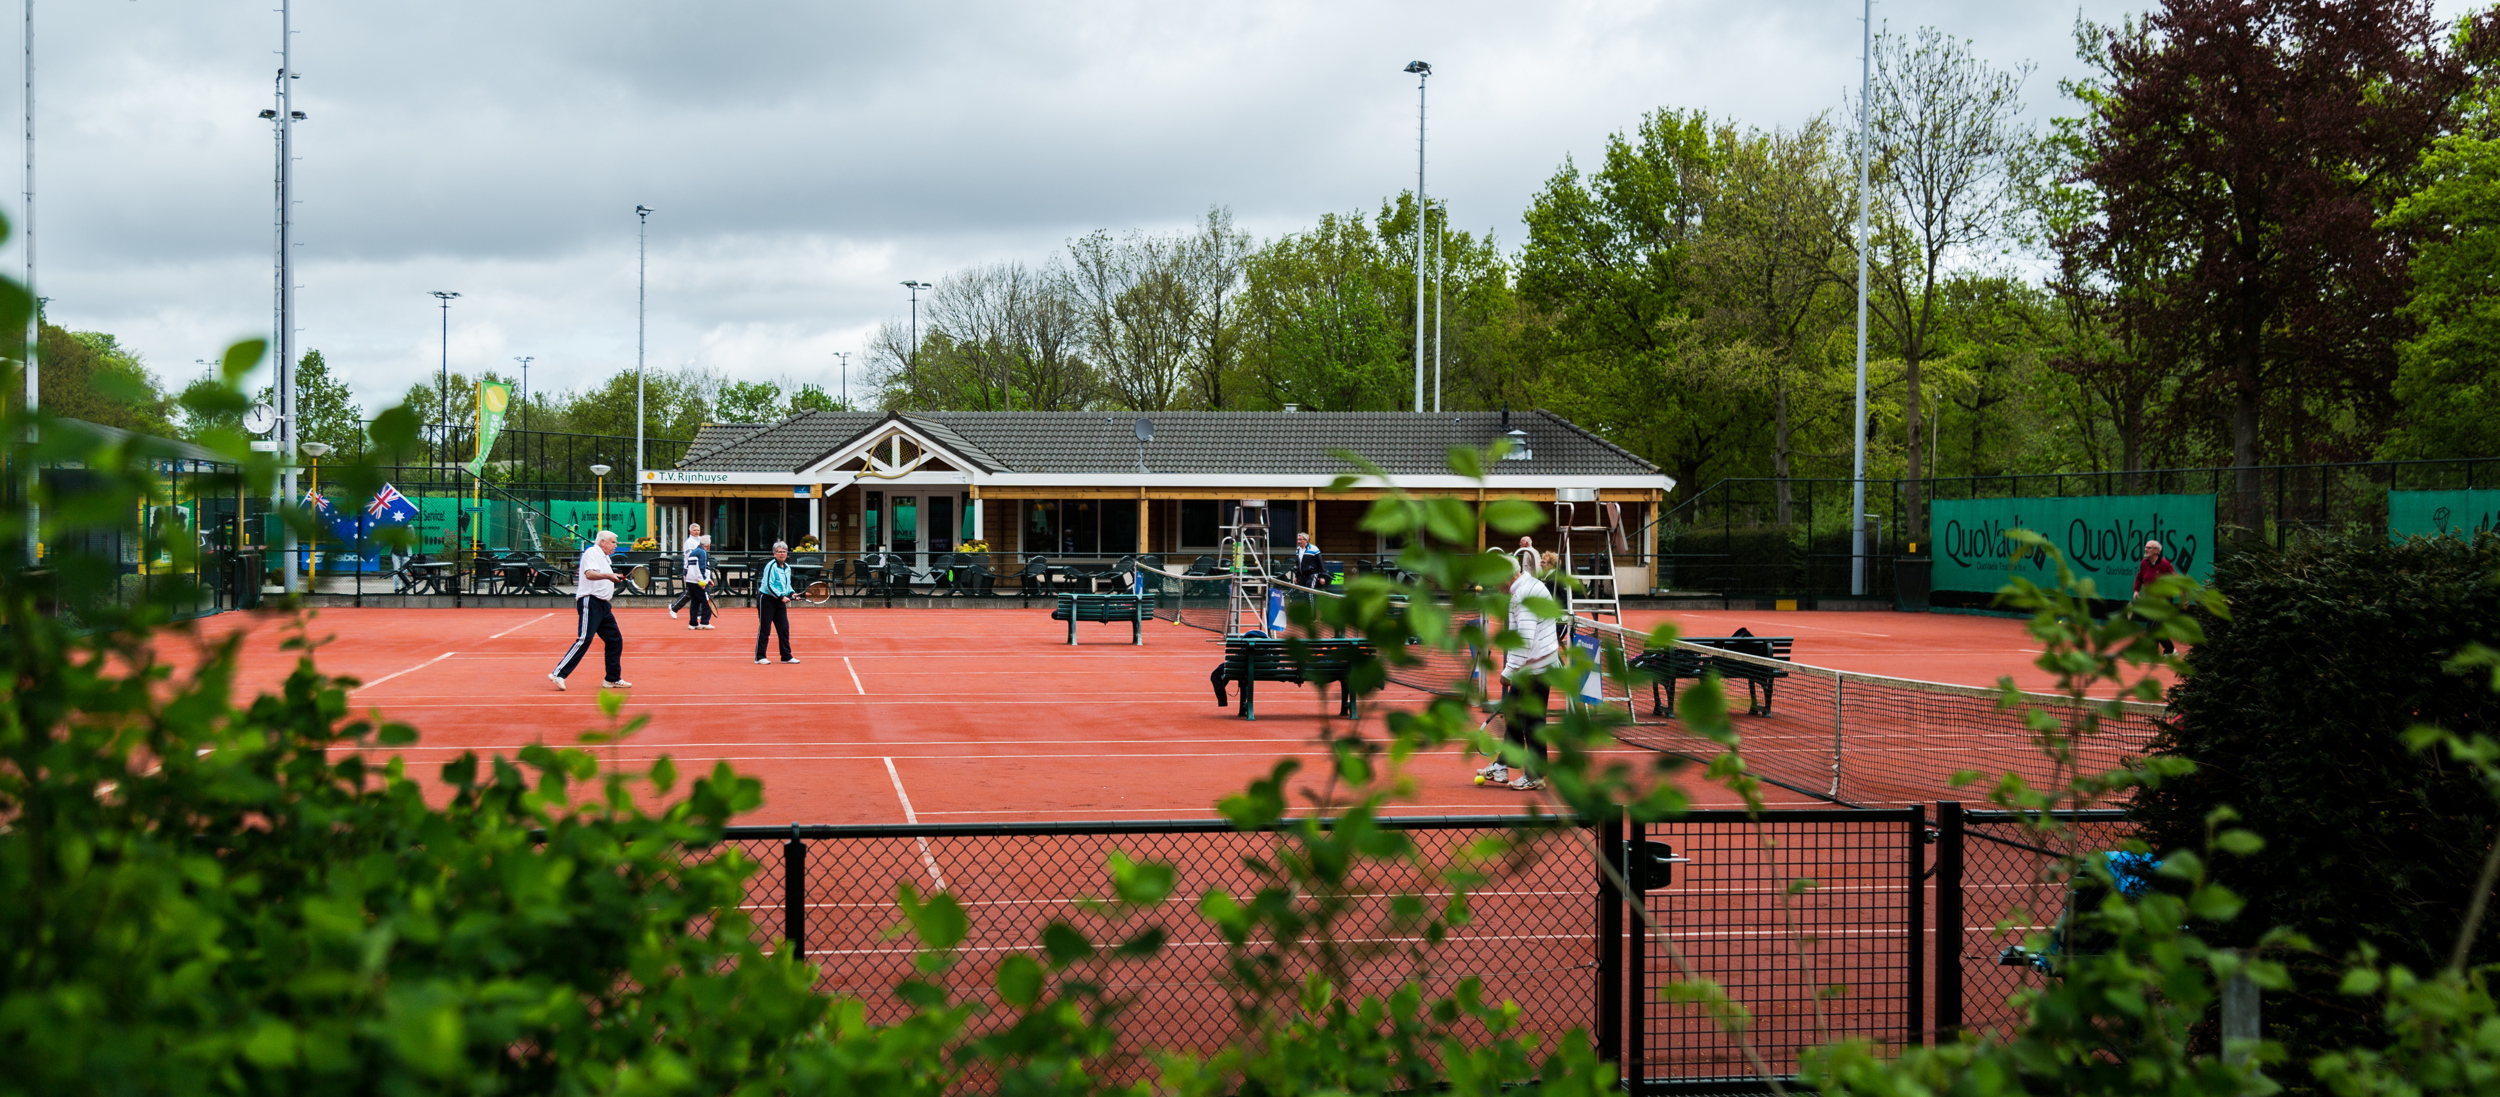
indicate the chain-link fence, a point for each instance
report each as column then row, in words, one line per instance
column 1835, row 956
column 1998, row 884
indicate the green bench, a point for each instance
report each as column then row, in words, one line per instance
column 1108, row 609
column 1671, row 665
column 1250, row 660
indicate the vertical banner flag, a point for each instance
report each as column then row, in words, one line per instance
column 493, row 399
column 1277, row 621
column 2102, row 537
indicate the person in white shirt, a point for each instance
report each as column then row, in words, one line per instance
column 1540, row 649
column 697, row 571
column 594, row 588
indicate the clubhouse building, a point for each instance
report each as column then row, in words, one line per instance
column 1095, row 486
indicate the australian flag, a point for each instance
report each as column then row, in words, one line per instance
column 341, row 526
column 390, row 508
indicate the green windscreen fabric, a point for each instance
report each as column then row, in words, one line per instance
column 2434, row 513
column 2102, row 536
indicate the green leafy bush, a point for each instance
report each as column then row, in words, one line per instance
column 2295, row 715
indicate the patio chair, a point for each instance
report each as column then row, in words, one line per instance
column 1035, row 577
column 805, row 568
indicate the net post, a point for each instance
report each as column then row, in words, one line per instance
column 1840, row 687
column 1609, row 945
column 1948, row 919
column 794, row 893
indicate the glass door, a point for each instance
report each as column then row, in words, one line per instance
column 906, row 527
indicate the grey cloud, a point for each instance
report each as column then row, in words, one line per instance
column 805, row 157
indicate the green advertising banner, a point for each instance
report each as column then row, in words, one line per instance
column 2102, row 536
column 2434, row 513
column 493, row 399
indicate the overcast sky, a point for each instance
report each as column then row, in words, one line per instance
column 804, row 158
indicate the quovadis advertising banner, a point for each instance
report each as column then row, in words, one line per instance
column 2438, row 513
column 2102, row 536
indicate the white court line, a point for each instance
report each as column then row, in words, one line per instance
column 519, row 627
column 410, row 670
column 912, row 817
column 846, row 663
column 837, row 628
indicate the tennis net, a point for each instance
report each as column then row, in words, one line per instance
column 1852, row 738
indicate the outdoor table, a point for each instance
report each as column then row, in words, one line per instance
column 434, row 577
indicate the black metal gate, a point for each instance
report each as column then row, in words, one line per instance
column 1813, row 921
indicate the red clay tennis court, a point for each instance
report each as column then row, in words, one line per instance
column 964, row 715
column 986, row 720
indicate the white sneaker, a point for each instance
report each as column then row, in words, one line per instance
column 1493, row 775
column 558, row 679
column 617, row 685
column 763, row 662
column 789, row 660
column 672, row 613
column 1494, row 770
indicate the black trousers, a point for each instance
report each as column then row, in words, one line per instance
column 772, row 612
column 700, row 596
column 1522, row 728
column 594, row 616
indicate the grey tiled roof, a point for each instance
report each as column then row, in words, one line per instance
column 1188, row 442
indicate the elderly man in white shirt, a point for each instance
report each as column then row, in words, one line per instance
column 1540, row 649
column 594, row 588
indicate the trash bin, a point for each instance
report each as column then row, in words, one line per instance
column 1910, row 577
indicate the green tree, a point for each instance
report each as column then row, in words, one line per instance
column 1608, row 262
column 749, row 402
column 1319, row 330
column 676, row 403
column 1769, row 268
column 325, row 410
column 810, row 397
column 89, row 375
column 1950, row 167
column 2448, row 375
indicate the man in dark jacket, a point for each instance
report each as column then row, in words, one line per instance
column 1308, row 569
column 2154, row 566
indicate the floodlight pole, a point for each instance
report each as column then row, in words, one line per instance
column 642, row 297
column 915, row 286
column 289, row 431
column 1440, row 230
column 845, row 356
column 442, row 433
column 1423, row 73
column 525, row 388
column 1857, row 440
column 34, row 321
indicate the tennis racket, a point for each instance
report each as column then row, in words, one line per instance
column 639, row 579
column 817, row 592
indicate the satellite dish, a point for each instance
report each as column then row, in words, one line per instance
column 261, row 419
column 1145, row 430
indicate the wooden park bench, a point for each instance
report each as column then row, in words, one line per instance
column 1109, row 609
column 1671, row 665
column 1249, row 660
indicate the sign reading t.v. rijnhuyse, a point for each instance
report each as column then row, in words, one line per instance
column 2102, row 536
